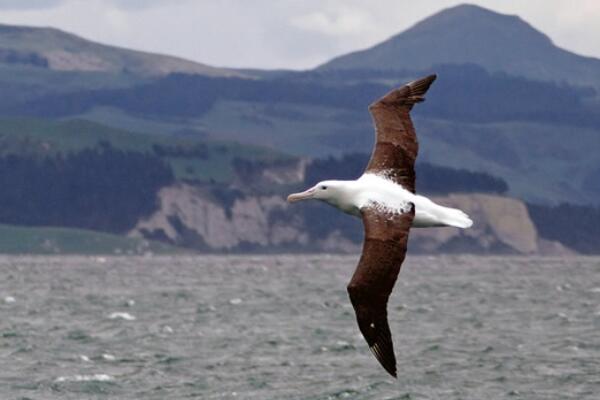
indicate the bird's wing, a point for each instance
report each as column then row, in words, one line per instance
column 396, row 144
column 384, row 248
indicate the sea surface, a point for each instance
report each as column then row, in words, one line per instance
column 282, row 327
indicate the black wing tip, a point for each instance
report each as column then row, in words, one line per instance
column 391, row 369
column 384, row 353
column 420, row 86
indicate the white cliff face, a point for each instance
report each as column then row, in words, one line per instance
column 250, row 222
column 247, row 221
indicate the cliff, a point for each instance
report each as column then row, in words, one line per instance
column 195, row 217
column 502, row 225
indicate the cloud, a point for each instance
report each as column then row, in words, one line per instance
column 141, row 4
column 346, row 22
column 28, row 4
column 45, row 4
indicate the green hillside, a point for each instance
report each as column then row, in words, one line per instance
column 190, row 158
column 543, row 162
column 47, row 240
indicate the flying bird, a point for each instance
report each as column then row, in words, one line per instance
column 384, row 198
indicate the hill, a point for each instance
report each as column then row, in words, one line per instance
column 520, row 130
column 472, row 34
column 38, row 61
column 53, row 49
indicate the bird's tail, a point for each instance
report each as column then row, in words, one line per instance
column 455, row 217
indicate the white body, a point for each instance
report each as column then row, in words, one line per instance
column 375, row 190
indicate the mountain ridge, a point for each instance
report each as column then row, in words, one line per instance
column 471, row 34
column 59, row 50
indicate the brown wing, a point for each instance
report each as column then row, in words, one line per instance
column 384, row 248
column 396, row 144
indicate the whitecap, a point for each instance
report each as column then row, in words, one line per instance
column 85, row 358
column 122, row 315
column 85, row 378
column 9, row 299
column 109, row 357
column 167, row 329
column 235, row 301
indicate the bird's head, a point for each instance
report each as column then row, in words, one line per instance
column 325, row 190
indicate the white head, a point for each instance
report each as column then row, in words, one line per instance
column 327, row 191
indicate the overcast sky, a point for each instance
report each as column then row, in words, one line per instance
column 280, row 34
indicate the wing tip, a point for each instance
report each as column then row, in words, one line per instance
column 420, row 86
column 392, row 371
column 407, row 94
column 386, row 357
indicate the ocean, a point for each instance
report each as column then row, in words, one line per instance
column 282, row 327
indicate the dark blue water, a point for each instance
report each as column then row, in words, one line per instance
column 281, row 327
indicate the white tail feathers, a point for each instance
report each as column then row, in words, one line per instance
column 428, row 214
column 455, row 217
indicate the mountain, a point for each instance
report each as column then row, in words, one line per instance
column 471, row 34
column 56, row 50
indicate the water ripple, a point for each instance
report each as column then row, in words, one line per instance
column 282, row 327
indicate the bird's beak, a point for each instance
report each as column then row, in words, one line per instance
column 307, row 194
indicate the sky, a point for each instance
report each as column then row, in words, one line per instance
column 294, row 34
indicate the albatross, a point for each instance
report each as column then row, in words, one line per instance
column 384, row 198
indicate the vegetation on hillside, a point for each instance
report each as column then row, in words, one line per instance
column 467, row 93
column 102, row 188
column 503, row 125
column 190, row 158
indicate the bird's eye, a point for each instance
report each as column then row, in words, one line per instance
column 323, row 187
